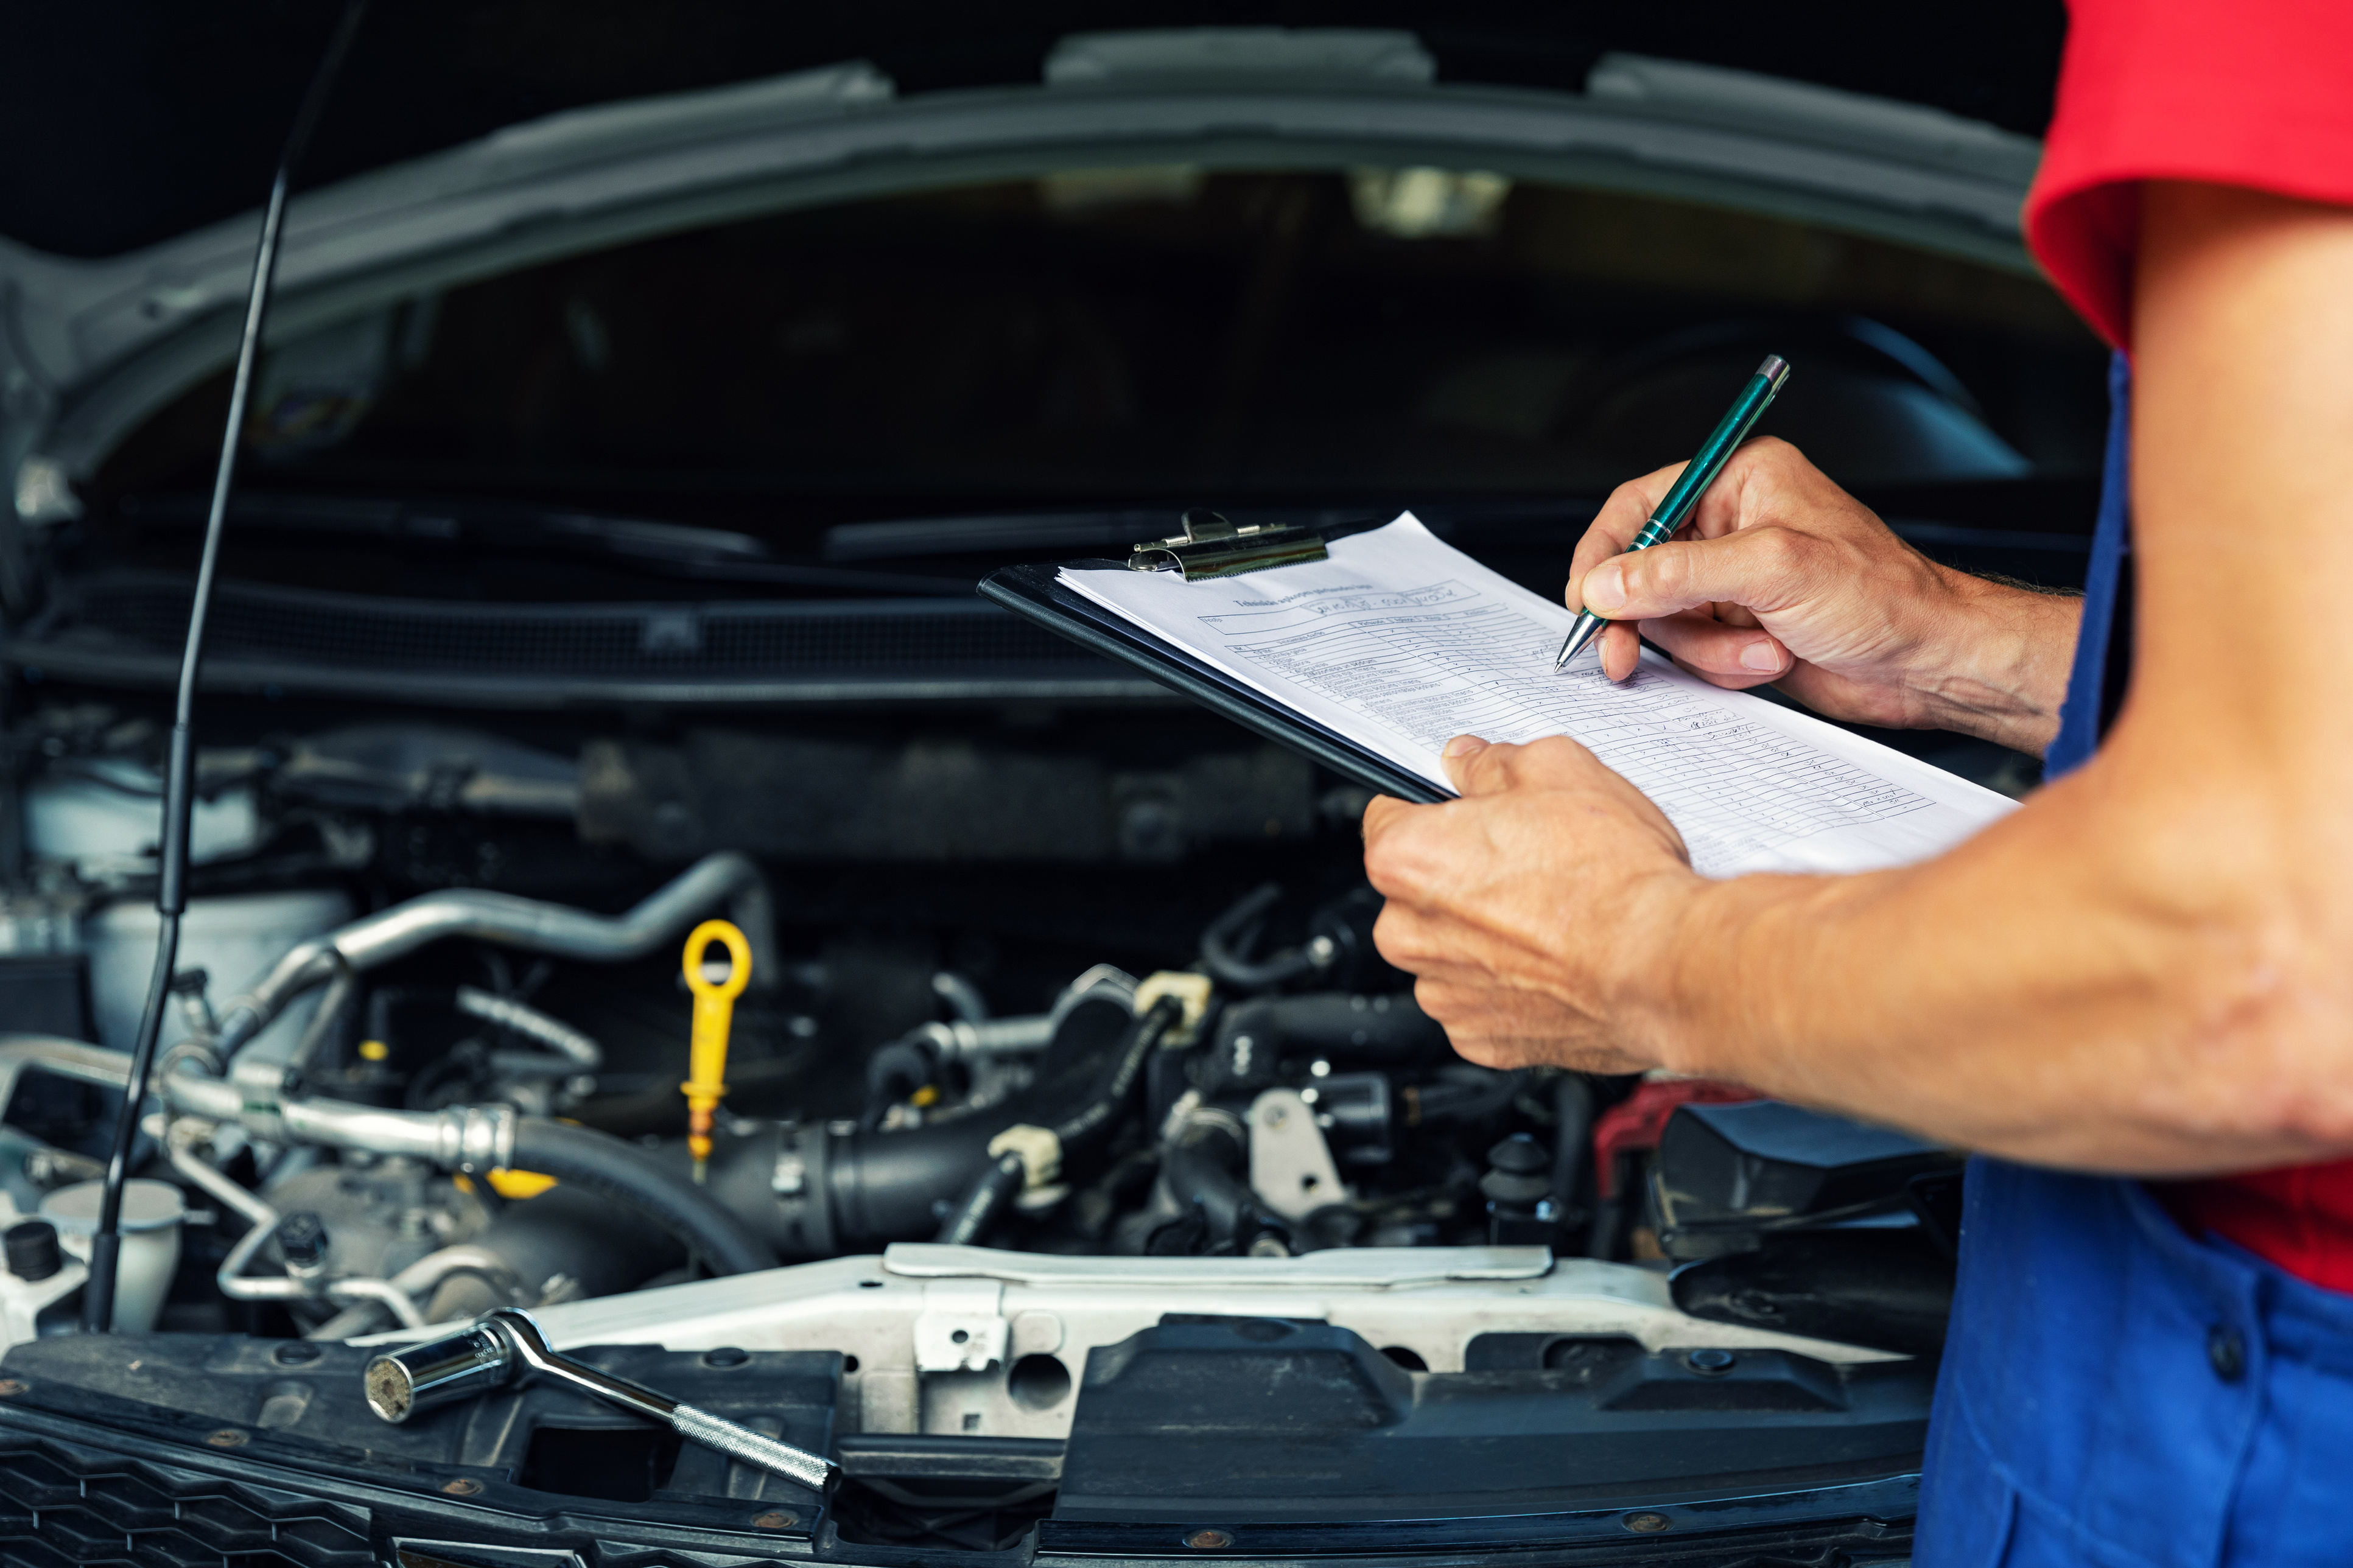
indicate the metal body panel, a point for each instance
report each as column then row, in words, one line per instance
column 896, row 1316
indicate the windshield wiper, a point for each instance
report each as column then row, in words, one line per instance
column 1111, row 529
column 676, row 549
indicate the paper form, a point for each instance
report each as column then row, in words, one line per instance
column 1400, row 642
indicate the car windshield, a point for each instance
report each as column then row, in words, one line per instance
column 1160, row 334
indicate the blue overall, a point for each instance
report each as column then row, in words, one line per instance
column 2116, row 1392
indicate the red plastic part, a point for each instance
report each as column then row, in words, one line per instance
column 1640, row 1120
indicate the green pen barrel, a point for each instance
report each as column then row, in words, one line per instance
column 1715, row 452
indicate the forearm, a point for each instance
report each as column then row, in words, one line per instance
column 2104, row 981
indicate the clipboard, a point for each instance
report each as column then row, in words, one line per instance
column 1033, row 593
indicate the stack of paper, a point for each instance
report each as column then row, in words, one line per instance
column 1400, row 642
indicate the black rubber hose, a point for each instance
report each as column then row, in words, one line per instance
column 1254, row 1036
column 601, row 1164
column 892, row 1186
column 1116, row 1087
column 894, row 1072
column 1228, row 941
column 1572, row 1147
column 1202, row 1170
column 995, row 1187
column 885, row 1186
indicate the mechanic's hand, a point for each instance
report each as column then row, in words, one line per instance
column 1529, row 909
column 1781, row 576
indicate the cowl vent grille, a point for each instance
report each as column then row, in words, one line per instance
column 124, row 629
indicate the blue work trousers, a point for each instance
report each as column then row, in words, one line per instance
column 2117, row 1394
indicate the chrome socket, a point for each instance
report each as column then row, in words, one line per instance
column 477, row 1360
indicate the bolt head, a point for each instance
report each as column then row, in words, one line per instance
column 1711, row 1360
column 1647, row 1523
column 302, row 1239
column 227, row 1438
column 463, row 1486
column 1209, row 1539
column 10, row 1388
column 775, row 1519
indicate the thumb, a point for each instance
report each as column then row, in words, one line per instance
column 1477, row 766
column 1758, row 568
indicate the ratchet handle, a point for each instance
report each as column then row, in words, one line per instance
column 742, row 1443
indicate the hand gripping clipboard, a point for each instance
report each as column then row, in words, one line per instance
column 1033, row 593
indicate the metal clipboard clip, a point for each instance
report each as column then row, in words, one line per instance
column 1212, row 547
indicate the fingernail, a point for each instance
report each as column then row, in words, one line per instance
column 1605, row 587
column 1761, row 656
column 1464, row 745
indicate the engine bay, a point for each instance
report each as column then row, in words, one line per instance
column 1065, row 1092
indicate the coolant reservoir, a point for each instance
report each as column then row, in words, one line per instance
column 107, row 818
column 151, row 1212
column 104, row 820
column 235, row 941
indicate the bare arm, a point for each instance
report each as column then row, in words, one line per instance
column 2146, row 968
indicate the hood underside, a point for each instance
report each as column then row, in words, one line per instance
column 129, row 123
column 97, row 344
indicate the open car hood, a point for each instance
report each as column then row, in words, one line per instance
column 94, row 345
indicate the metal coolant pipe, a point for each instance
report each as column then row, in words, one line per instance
column 507, row 1345
column 578, row 1051
column 527, row 924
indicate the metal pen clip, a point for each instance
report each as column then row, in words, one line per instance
column 1212, row 547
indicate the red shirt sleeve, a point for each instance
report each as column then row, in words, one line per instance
column 2231, row 92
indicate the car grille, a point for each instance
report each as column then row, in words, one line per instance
column 62, row 1503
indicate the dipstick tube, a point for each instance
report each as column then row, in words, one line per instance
column 714, row 1015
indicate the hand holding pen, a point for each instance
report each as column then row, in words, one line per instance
column 1700, row 473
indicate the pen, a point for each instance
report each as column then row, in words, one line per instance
column 1696, row 477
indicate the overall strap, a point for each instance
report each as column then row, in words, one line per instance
column 2103, row 667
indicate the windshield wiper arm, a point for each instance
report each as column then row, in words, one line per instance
column 678, row 549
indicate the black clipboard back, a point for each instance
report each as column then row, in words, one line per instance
column 1035, row 594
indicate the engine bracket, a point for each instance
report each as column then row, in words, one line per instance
column 962, row 1326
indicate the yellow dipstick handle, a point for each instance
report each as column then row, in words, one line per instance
column 714, row 1011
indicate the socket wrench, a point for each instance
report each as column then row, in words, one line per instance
column 508, row 1345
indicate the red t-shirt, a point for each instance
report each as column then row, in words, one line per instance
column 2255, row 93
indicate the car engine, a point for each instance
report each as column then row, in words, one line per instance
column 425, row 955
column 1052, row 1028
